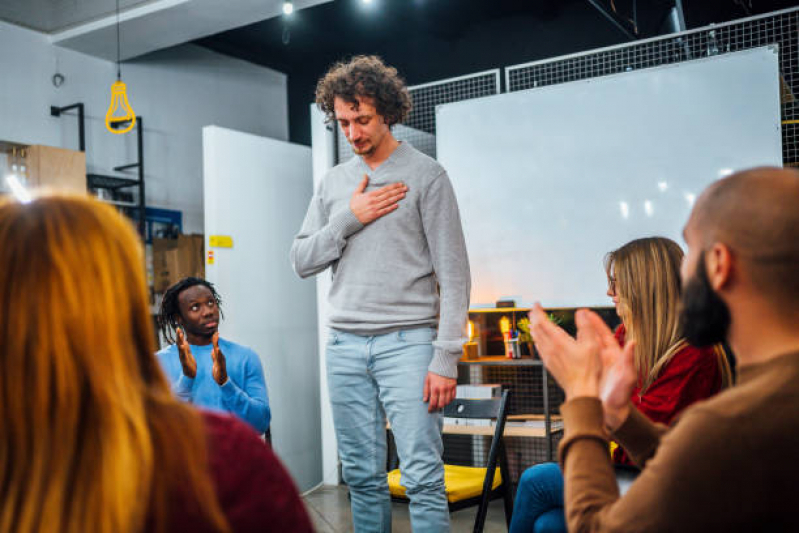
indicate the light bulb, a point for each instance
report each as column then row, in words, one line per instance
column 288, row 8
column 120, row 118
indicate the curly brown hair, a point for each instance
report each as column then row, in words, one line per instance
column 365, row 77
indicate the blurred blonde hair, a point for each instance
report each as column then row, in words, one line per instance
column 647, row 281
column 92, row 437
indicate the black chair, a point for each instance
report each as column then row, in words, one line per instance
column 474, row 480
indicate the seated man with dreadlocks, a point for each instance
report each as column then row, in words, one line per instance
column 203, row 369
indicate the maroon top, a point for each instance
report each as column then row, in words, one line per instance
column 691, row 375
column 254, row 489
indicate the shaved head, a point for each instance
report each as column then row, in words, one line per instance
column 756, row 214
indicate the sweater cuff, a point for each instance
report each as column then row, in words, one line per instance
column 582, row 419
column 638, row 436
column 184, row 384
column 444, row 363
column 345, row 223
column 228, row 389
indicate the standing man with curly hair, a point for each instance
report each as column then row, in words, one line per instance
column 387, row 223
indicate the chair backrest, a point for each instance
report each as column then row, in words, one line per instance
column 467, row 408
column 490, row 409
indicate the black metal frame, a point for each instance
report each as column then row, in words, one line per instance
column 57, row 111
column 489, row 409
column 113, row 183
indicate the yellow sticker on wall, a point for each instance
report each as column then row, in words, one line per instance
column 210, row 257
column 220, row 241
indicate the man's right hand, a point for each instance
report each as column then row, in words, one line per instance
column 618, row 373
column 187, row 360
column 369, row 206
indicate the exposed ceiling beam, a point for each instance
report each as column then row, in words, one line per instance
column 614, row 19
column 165, row 23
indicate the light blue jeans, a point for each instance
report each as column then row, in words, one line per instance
column 369, row 378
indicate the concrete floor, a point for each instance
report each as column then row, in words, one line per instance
column 329, row 509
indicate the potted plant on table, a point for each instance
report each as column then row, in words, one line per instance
column 524, row 332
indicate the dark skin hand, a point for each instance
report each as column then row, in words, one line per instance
column 187, row 360
column 219, row 370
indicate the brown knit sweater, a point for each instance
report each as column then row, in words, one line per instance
column 730, row 463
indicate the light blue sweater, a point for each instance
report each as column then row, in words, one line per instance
column 243, row 394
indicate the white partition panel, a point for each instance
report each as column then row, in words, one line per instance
column 257, row 191
column 549, row 180
column 323, row 140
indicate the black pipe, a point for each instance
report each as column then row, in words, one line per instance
column 56, row 112
column 142, row 207
column 126, row 167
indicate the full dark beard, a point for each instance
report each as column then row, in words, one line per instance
column 704, row 317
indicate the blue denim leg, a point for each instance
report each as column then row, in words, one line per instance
column 360, row 430
column 539, row 501
column 400, row 366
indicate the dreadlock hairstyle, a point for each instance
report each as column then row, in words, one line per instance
column 170, row 306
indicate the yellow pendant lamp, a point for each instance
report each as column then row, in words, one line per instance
column 120, row 117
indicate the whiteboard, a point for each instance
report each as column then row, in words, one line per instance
column 549, row 180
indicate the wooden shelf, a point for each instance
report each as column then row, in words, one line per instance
column 501, row 360
column 500, row 310
column 510, row 431
column 119, row 203
column 554, row 418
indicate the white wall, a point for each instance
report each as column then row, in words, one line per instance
column 177, row 91
column 257, row 190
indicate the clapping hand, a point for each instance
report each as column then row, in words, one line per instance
column 219, row 370
column 618, row 375
column 187, row 360
column 592, row 365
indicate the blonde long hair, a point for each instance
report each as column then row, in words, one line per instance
column 92, row 438
column 647, row 281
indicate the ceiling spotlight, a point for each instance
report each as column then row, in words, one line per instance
column 288, row 7
column 367, row 1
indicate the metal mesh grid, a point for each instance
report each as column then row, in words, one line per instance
column 780, row 27
column 526, row 385
column 420, row 128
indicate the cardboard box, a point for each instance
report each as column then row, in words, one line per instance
column 175, row 259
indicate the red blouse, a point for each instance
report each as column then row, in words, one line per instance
column 691, row 375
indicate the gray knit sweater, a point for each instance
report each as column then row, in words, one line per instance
column 385, row 274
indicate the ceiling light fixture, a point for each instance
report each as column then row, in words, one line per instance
column 120, row 117
column 288, row 7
